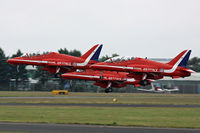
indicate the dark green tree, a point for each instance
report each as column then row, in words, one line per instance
column 75, row 53
column 194, row 64
column 19, row 73
column 104, row 58
column 71, row 52
column 4, row 69
column 43, row 77
column 63, row 51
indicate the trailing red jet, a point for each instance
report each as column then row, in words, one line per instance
column 107, row 79
column 60, row 63
column 145, row 70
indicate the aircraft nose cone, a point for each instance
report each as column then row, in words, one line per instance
column 64, row 75
column 10, row 61
column 13, row 61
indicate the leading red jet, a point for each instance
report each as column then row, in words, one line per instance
column 60, row 63
column 145, row 70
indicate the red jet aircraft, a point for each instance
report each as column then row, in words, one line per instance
column 107, row 79
column 60, row 63
column 145, row 70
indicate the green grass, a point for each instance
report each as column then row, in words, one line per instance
column 152, row 117
column 25, row 94
column 10, row 132
column 123, row 98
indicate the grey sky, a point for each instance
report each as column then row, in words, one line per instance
column 152, row 28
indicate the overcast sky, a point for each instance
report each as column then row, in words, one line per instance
column 152, row 28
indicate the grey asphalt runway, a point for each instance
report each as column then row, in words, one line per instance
column 62, row 128
column 99, row 105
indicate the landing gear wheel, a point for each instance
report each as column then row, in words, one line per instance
column 107, row 90
column 144, row 82
column 57, row 75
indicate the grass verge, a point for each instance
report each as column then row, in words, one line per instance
column 152, row 117
column 11, row 132
column 100, row 98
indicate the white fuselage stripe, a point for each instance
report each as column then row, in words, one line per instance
column 87, row 76
column 115, row 66
column 130, row 80
column 34, row 61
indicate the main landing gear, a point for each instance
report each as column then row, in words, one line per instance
column 107, row 90
column 57, row 75
column 144, row 82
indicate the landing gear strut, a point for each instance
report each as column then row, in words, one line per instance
column 108, row 88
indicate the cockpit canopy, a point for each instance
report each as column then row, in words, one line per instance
column 120, row 58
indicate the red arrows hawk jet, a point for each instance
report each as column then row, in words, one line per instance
column 60, row 63
column 144, row 69
column 107, row 79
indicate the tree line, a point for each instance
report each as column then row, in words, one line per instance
column 20, row 74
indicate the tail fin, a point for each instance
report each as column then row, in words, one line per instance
column 93, row 53
column 181, row 59
column 95, row 57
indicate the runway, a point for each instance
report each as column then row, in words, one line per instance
column 70, row 97
column 100, row 105
column 62, row 128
